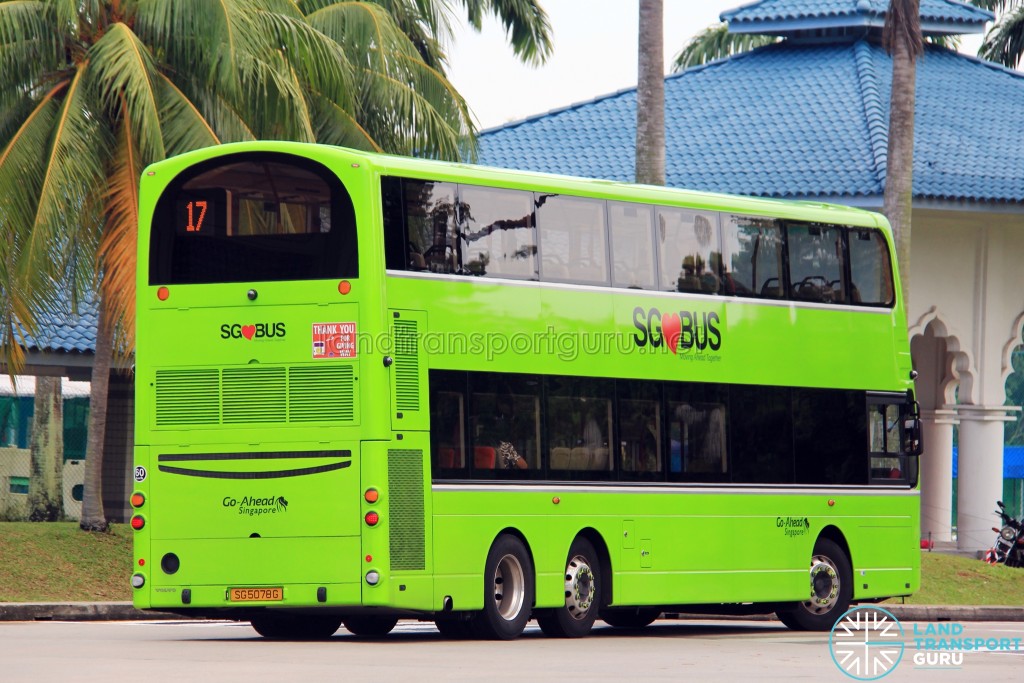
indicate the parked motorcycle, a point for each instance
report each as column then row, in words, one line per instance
column 1008, row 548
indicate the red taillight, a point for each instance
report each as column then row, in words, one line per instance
column 163, row 293
column 138, row 500
column 371, row 495
column 138, row 521
column 372, row 518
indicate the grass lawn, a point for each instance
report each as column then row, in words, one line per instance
column 56, row 562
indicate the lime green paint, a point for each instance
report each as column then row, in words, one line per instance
column 666, row 544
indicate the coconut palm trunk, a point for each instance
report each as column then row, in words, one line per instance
column 93, row 515
column 46, row 481
column 650, row 95
column 902, row 39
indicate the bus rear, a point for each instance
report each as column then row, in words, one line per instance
column 250, row 426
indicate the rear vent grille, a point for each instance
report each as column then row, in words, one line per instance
column 405, row 510
column 187, row 397
column 316, row 394
column 255, row 395
column 407, row 366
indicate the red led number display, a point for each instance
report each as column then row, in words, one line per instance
column 196, row 214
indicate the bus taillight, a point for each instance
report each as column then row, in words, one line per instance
column 372, row 518
column 138, row 521
column 371, row 495
column 138, row 500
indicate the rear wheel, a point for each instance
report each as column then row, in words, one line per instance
column 831, row 590
column 630, row 617
column 371, row 626
column 295, row 627
column 582, row 594
column 508, row 591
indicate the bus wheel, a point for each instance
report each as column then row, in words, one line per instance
column 630, row 617
column 508, row 591
column 831, row 591
column 582, row 594
column 294, row 627
column 372, row 626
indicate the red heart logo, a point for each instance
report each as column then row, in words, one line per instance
column 671, row 327
column 249, row 330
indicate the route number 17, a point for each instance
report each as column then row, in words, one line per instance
column 195, row 222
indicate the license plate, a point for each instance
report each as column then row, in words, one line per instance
column 273, row 594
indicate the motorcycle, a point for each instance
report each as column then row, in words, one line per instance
column 1008, row 548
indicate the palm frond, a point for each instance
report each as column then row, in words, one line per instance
column 29, row 44
column 121, row 71
column 184, row 127
column 335, row 125
column 997, row 6
column 224, row 118
column 716, row 42
column 525, row 22
column 1004, row 43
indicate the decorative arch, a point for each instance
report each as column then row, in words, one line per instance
column 959, row 365
column 1006, row 369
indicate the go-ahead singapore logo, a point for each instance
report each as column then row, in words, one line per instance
column 867, row 643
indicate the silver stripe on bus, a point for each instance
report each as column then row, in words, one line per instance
column 564, row 488
column 605, row 289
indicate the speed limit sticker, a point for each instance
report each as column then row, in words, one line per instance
column 140, row 473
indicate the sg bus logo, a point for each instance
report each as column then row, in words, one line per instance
column 681, row 331
column 257, row 331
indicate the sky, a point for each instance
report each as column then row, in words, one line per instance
column 595, row 53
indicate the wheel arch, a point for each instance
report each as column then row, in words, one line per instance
column 832, row 533
column 604, row 557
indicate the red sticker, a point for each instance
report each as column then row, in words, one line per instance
column 334, row 340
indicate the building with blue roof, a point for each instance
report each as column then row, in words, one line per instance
column 807, row 118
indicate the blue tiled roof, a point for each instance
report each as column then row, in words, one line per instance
column 789, row 16
column 67, row 331
column 795, row 120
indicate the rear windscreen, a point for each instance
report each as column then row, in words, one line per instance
column 253, row 217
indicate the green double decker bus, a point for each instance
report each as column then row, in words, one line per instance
column 372, row 388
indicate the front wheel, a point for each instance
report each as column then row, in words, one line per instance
column 831, row 590
column 582, row 595
column 372, row 626
column 508, row 591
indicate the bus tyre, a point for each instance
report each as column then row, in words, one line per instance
column 508, row 591
column 582, row 595
column 630, row 617
column 295, row 627
column 831, row 591
column 370, row 626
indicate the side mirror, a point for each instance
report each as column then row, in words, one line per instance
column 912, row 431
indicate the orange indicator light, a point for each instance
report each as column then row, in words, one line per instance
column 138, row 500
column 344, row 287
column 556, row 500
column 371, row 495
column 163, row 293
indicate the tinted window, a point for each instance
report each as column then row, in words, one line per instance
column 497, row 235
column 448, row 422
column 816, row 263
column 504, row 422
column 430, row 226
column 752, row 263
column 697, row 432
column 870, row 269
column 641, row 429
column 761, row 438
column 632, row 231
column 686, row 242
column 579, row 420
column 573, row 244
column 253, row 217
column 829, row 433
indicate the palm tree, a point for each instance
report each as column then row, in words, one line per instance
column 93, row 90
column 650, row 95
column 715, row 42
column 1004, row 42
column 901, row 37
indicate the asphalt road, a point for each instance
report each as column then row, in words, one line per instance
column 217, row 652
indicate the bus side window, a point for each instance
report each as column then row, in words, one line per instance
column 632, row 248
column 497, row 236
column 698, row 448
column 579, row 421
column 752, row 257
column 816, row 263
column 870, row 269
column 573, row 239
column 687, row 241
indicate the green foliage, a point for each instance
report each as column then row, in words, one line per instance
column 1014, row 435
column 715, row 42
column 957, row 580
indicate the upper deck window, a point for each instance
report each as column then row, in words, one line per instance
column 253, row 217
column 870, row 268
